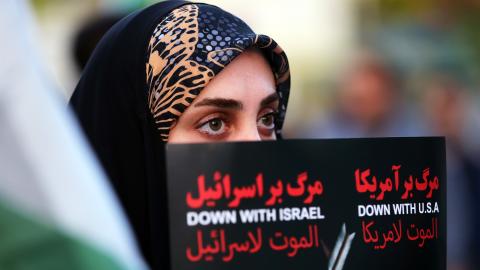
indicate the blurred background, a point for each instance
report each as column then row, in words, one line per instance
column 360, row 68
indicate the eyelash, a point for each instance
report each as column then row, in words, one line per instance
column 268, row 131
column 204, row 126
column 220, row 117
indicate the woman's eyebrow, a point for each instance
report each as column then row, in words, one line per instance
column 220, row 103
column 269, row 99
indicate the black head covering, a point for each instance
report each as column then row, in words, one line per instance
column 141, row 77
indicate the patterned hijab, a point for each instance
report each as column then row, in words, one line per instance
column 189, row 47
column 143, row 74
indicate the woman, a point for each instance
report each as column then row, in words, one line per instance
column 175, row 72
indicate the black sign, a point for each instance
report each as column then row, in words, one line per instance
column 308, row 204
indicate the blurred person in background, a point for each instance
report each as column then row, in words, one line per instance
column 368, row 103
column 89, row 34
column 446, row 106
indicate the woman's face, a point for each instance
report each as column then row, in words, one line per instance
column 239, row 104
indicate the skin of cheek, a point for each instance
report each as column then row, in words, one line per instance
column 247, row 81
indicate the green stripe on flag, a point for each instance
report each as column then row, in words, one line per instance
column 27, row 244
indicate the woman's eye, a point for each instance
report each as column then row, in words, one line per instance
column 214, row 126
column 267, row 121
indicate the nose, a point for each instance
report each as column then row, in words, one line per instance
column 247, row 134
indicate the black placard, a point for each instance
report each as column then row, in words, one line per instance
column 308, row 204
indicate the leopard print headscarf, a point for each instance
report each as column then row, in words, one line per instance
column 191, row 45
